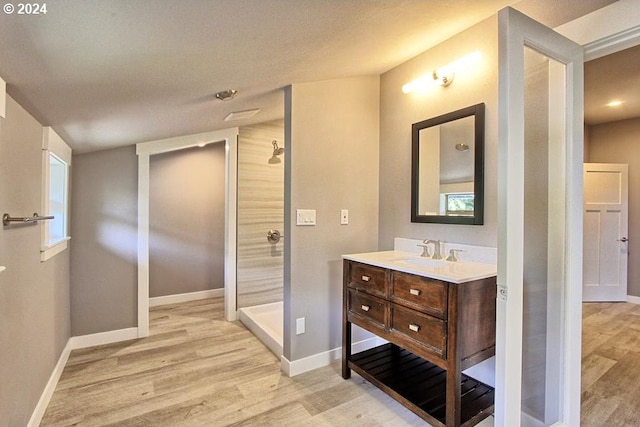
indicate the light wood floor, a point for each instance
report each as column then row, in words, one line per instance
column 611, row 364
column 197, row 369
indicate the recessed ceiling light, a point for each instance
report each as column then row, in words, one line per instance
column 238, row 115
column 614, row 104
column 226, row 95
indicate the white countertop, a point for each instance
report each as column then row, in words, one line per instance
column 453, row 272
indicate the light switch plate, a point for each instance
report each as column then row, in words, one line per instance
column 344, row 216
column 305, row 217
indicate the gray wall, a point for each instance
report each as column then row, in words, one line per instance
column 398, row 111
column 331, row 132
column 104, row 229
column 34, row 295
column 186, row 220
column 617, row 142
column 480, row 84
column 260, row 208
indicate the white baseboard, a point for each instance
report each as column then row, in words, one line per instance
column 189, row 296
column 309, row 363
column 633, row 299
column 45, row 397
column 102, row 338
column 74, row 343
column 84, row 341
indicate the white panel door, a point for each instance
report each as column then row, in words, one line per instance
column 606, row 217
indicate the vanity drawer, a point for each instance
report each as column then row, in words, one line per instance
column 420, row 293
column 367, row 309
column 370, row 279
column 422, row 329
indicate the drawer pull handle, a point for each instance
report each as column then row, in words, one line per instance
column 415, row 292
column 414, row 327
column 365, row 307
column 366, row 278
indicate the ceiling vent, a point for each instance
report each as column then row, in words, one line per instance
column 239, row 115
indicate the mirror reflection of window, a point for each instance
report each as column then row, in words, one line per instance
column 458, row 204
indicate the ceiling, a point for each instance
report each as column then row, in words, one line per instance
column 107, row 73
column 610, row 78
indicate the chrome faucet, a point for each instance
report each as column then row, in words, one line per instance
column 452, row 255
column 436, row 248
column 425, row 251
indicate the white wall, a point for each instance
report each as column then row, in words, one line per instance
column 331, row 132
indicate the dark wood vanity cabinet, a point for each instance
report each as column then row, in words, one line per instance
column 434, row 329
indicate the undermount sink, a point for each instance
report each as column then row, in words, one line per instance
column 426, row 262
column 449, row 268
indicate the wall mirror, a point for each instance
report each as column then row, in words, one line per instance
column 447, row 168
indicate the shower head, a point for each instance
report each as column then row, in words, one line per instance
column 277, row 150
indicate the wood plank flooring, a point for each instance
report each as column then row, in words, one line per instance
column 196, row 369
column 610, row 365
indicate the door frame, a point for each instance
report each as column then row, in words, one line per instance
column 516, row 31
column 144, row 151
column 602, row 32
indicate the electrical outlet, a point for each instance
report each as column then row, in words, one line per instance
column 344, row 216
column 300, row 326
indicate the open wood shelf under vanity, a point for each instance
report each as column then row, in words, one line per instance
column 420, row 385
column 434, row 330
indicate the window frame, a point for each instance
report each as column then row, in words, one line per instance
column 457, row 212
column 54, row 146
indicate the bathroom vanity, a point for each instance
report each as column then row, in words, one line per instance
column 439, row 319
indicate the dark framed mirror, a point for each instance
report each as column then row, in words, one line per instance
column 447, row 168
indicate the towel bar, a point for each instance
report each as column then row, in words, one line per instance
column 7, row 219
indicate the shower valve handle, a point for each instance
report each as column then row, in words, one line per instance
column 274, row 236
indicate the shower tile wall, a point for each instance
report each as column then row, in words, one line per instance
column 260, row 208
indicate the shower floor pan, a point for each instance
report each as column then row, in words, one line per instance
column 266, row 323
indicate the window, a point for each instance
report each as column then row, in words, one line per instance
column 459, row 203
column 55, row 194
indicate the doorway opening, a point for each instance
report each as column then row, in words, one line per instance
column 186, row 224
column 144, row 150
column 611, row 264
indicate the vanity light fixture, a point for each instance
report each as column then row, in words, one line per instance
column 442, row 76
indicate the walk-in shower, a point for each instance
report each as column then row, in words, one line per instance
column 260, row 215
